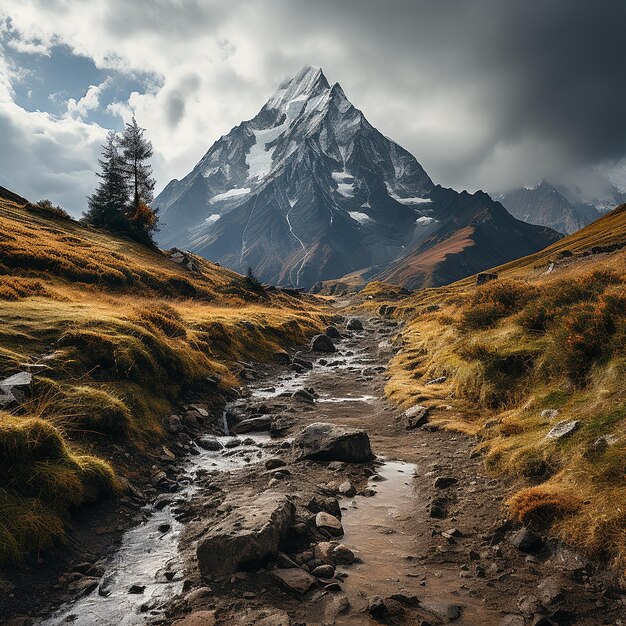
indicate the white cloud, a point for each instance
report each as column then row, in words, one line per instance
column 89, row 102
column 449, row 86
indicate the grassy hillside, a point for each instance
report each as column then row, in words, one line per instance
column 112, row 332
column 544, row 343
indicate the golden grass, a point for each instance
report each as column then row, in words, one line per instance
column 533, row 340
column 122, row 331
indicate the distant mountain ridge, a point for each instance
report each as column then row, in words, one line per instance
column 309, row 190
column 544, row 205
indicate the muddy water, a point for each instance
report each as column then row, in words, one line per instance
column 148, row 556
column 379, row 531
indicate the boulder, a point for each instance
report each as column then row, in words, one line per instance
column 347, row 489
column 329, row 523
column 343, row 555
column 332, row 332
column 324, row 571
column 252, row 425
column 354, row 323
column 295, row 578
column 563, row 429
column 328, row 442
column 322, row 343
column 251, row 531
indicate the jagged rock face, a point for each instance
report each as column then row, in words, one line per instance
column 544, row 205
column 307, row 191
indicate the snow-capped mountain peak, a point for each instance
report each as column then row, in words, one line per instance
column 306, row 190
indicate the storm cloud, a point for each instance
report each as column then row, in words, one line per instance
column 486, row 93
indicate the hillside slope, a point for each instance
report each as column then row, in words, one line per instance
column 533, row 363
column 111, row 333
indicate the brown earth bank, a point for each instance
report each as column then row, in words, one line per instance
column 280, row 528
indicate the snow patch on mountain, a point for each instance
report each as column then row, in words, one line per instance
column 231, row 193
column 345, row 183
column 212, row 218
column 412, row 201
column 359, row 217
column 424, row 220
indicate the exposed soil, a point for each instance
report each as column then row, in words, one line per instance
column 433, row 554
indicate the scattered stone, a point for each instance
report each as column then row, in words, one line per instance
column 563, row 429
column 322, row 343
column 443, row 482
column 323, row 571
column 416, row 416
column 329, row 523
column 173, row 424
column 137, row 589
column 163, row 528
column 409, row 599
column 252, row 531
column 274, row 463
column 210, row 443
column 328, row 442
column 347, row 489
column 252, row 425
column 526, row 540
column 266, row 616
column 354, row 323
column 343, row 555
column 303, row 396
column 376, row 606
column 549, row 413
column 295, row 578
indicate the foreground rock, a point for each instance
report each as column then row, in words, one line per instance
column 252, row 530
column 328, row 442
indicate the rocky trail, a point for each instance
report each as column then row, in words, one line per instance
column 318, row 505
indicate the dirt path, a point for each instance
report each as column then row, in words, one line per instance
column 431, row 553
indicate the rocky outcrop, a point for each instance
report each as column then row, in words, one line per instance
column 252, row 530
column 328, row 442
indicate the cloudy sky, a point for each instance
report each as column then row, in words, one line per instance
column 486, row 93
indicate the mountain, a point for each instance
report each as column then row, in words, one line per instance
column 543, row 204
column 309, row 190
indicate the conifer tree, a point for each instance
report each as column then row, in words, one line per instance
column 108, row 204
column 136, row 150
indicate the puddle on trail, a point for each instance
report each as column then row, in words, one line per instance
column 146, row 554
column 375, row 531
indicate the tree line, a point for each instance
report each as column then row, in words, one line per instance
column 121, row 202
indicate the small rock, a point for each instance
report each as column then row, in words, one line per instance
column 329, row 523
column 563, row 429
column 343, row 555
column 323, row 571
column 416, row 416
column 136, row 589
column 443, row 482
column 526, row 540
column 347, row 489
column 210, row 443
column 376, row 606
column 549, row 413
column 303, row 395
column 329, row 442
column 274, row 463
